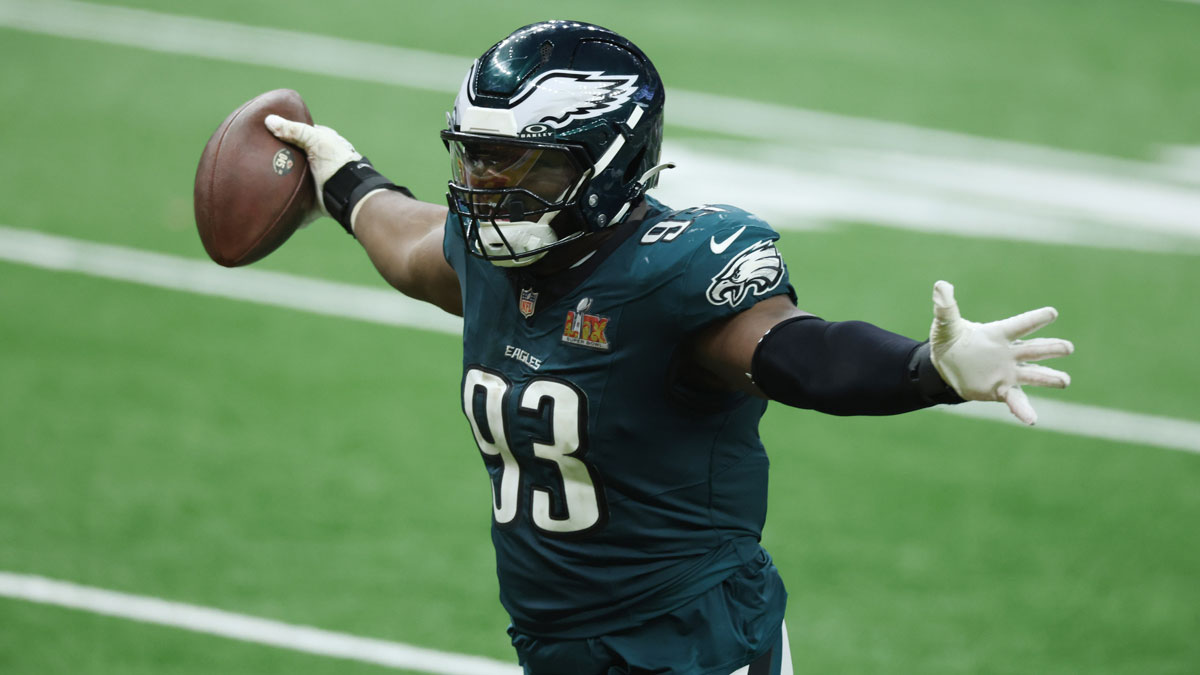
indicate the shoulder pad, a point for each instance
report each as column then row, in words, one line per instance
column 720, row 260
column 698, row 223
column 718, row 231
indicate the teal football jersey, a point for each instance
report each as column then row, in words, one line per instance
column 618, row 493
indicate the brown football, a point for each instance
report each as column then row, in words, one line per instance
column 252, row 190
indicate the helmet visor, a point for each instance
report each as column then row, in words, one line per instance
column 506, row 179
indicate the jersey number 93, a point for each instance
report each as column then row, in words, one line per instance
column 564, row 407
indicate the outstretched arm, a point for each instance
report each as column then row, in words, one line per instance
column 402, row 235
column 403, row 238
column 776, row 351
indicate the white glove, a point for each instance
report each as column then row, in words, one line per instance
column 327, row 150
column 987, row 361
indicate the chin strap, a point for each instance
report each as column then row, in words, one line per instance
column 654, row 171
column 516, row 239
column 640, row 187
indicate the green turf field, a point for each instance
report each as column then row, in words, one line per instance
column 316, row 470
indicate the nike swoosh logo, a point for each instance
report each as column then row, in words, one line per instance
column 720, row 248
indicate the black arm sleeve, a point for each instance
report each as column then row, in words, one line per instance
column 846, row 368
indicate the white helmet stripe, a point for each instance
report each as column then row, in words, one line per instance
column 634, row 117
column 618, row 143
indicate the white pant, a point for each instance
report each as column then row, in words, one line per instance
column 784, row 659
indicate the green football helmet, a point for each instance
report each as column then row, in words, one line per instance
column 555, row 133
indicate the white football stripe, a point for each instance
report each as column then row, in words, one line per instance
column 391, row 308
column 246, row 628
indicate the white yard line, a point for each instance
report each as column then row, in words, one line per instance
column 803, row 168
column 381, row 306
column 206, row 278
column 246, row 628
column 227, row 41
column 1094, row 422
column 432, row 71
column 942, row 195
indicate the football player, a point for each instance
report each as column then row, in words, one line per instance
column 618, row 354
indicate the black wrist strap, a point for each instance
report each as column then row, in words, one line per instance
column 927, row 380
column 349, row 184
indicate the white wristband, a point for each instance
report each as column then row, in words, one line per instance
column 359, row 205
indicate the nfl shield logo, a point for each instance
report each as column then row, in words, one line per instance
column 528, row 302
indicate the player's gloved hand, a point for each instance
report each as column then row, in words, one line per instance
column 327, row 150
column 987, row 361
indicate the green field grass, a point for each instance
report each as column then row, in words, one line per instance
column 1107, row 75
column 316, row 470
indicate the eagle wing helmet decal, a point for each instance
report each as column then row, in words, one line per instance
column 559, row 97
column 562, row 96
column 757, row 269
